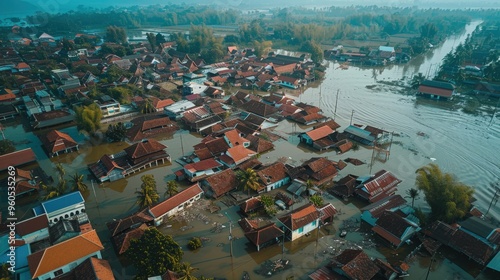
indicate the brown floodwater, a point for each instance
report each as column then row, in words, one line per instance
column 459, row 143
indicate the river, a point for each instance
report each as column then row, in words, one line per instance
column 461, row 144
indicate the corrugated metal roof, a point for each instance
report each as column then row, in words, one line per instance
column 62, row 202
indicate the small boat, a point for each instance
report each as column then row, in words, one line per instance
column 343, row 233
column 245, row 276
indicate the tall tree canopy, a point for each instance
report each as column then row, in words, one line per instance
column 154, row 253
column 448, row 198
column 89, row 118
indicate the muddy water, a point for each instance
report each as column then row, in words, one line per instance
column 459, row 143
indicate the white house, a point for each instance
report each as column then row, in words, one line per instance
column 300, row 221
column 68, row 206
column 174, row 204
column 198, row 170
column 65, row 256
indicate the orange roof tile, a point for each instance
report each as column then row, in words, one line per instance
column 102, row 269
column 163, row 207
column 234, row 138
column 319, row 133
column 64, row 253
column 240, row 153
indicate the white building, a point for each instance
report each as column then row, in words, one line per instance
column 68, row 206
column 301, row 221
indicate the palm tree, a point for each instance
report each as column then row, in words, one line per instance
column 248, row 179
column 53, row 192
column 309, row 185
column 147, row 107
column 186, row 271
column 413, row 194
column 60, row 169
column 172, row 188
column 77, row 183
column 146, row 196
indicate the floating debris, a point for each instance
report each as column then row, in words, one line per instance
column 354, row 161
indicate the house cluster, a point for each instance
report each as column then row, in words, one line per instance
column 370, row 56
column 58, row 242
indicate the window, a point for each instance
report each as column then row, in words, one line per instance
column 58, row 272
column 314, row 223
column 301, row 230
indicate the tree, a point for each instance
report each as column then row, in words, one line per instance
column 314, row 49
column 53, row 192
column 6, row 146
column 172, row 188
column 116, row 132
column 77, row 183
column 152, row 40
column 262, row 48
column 116, row 34
column 417, row 80
column 88, row 118
column 185, row 271
column 60, row 169
column 194, row 243
column 413, row 194
column 154, row 253
column 317, row 200
column 147, row 107
column 448, row 198
column 147, row 195
column 428, row 30
column 267, row 200
column 271, row 210
column 248, row 180
column 5, row 273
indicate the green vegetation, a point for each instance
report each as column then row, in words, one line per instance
column 116, row 132
column 185, row 271
column 413, row 194
column 172, row 188
column 77, row 182
column 6, row 146
column 248, row 180
column 194, row 243
column 449, row 199
column 317, row 200
column 53, row 192
column 154, row 253
column 147, row 195
column 88, row 118
column 5, row 273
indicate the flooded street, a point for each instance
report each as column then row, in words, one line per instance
column 459, row 143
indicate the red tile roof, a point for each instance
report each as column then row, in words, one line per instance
column 144, row 148
column 222, row 182
column 383, row 184
column 17, row 158
column 234, row 138
column 122, row 241
column 206, row 164
column 240, row 153
column 250, row 204
column 118, row 226
column 56, row 141
column 319, row 133
column 301, row 216
column 355, row 264
column 31, row 225
column 64, row 253
column 435, row 91
column 163, row 207
column 264, row 234
column 273, row 173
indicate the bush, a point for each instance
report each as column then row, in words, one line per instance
column 194, row 243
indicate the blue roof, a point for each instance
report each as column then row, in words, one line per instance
column 62, row 202
column 22, row 253
column 495, row 262
column 38, row 210
column 359, row 132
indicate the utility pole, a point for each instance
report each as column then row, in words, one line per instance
column 430, row 265
column 352, row 114
column 336, row 101
column 95, row 196
column 182, row 146
column 496, row 196
column 230, row 236
column 390, row 145
column 373, row 155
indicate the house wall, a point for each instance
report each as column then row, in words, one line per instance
column 278, row 184
column 65, row 213
column 68, row 267
column 179, row 208
column 306, row 139
column 305, row 229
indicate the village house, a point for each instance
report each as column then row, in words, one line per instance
column 174, row 204
column 176, row 110
column 62, row 257
column 264, row 236
column 300, row 221
column 68, row 206
column 52, row 118
column 319, row 170
column 381, row 185
column 318, row 138
column 17, row 158
column 132, row 159
column 147, row 127
column 219, row 184
column 259, row 108
column 395, row 229
column 7, row 96
column 33, row 229
column 373, row 211
column 108, row 105
column 56, row 142
column 236, row 155
column 25, row 182
column 160, row 104
column 7, row 111
column 91, row 268
column 488, row 89
column 199, row 118
column 327, row 213
column 251, row 205
column 354, row 264
column 345, row 187
column 197, row 171
column 436, row 89
column 272, row 177
column 128, row 228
